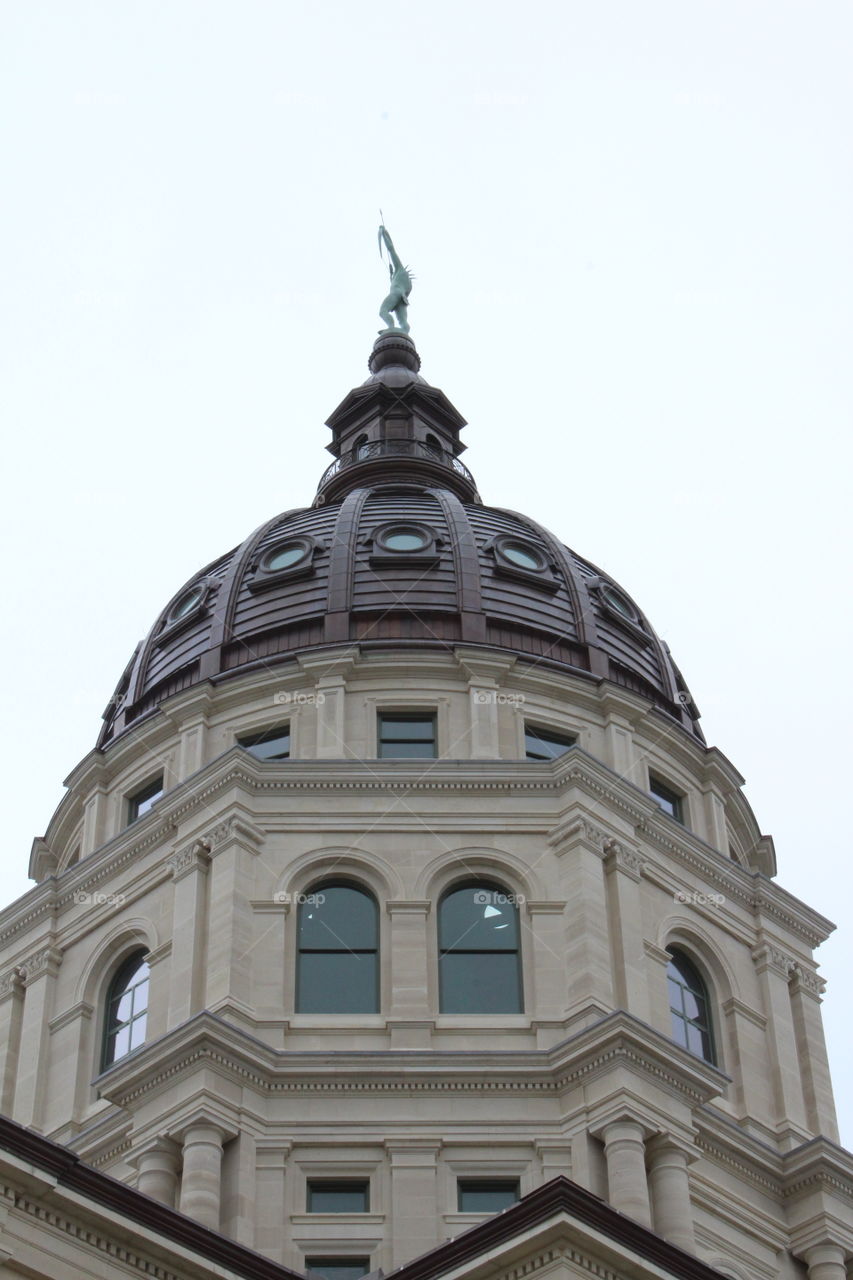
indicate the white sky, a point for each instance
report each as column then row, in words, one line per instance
column 630, row 225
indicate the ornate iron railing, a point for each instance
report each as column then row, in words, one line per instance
column 394, row 448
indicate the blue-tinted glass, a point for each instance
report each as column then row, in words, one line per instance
column 540, row 744
column 120, row 1043
column 396, row 730
column 407, row 751
column 691, row 1023
column 339, row 1268
column 341, row 919
column 478, row 918
column 287, row 556
column 404, row 541
column 480, row 982
column 338, row 1197
column 272, row 744
column 137, row 1031
column 487, row 1196
column 337, row 982
column 525, row 557
column 668, row 800
column 122, row 1007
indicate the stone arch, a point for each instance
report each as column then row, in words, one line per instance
column 377, row 875
column 471, row 861
column 686, row 933
column 698, row 944
column 125, row 938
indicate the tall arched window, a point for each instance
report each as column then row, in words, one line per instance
column 127, row 1010
column 689, row 1006
column 479, row 963
column 361, row 448
column 337, row 968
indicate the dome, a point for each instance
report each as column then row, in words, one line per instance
column 397, row 550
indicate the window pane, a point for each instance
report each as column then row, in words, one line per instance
column 339, row 1268
column 120, row 1044
column 338, row 1197
column 122, row 1008
column 137, row 1031
column 345, row 920
column 480, row 983
column 273, row 744
column 478, row 918
column 338, row 982
column 407, row 751
column 419, row 727
column 540, row 744
column 679, row 1030
column 487, row 1196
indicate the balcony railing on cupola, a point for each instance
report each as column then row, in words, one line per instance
column 373, row 462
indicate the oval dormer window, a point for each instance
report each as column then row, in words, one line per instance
column 618, row 601
column 285, row 556
column 403, row 538
column 189, row 600
column 522, row 555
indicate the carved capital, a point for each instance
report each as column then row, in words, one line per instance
column 195, row 857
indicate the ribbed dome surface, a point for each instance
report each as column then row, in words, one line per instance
column 397, row 550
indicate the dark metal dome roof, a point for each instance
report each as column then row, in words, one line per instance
column 397, row 551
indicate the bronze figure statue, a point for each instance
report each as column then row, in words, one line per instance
column 397, row 302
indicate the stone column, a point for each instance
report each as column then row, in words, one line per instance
column 624, row 1151
column 826, row 1262
column 201, row 1183
column 11, row 1016
column 40, row 972
column 414, row 1198
column 233, row 845
column 157, row 1170
column 331, row 717
column 669, row 1184
column 189, row 870
column 783, row 1066
column 411, row 1015
column 805, row 989
column 630, row 979
column 586, row 931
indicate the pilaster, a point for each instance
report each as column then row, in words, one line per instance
column 414, row 1198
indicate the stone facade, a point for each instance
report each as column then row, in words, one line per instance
column 236, row 1099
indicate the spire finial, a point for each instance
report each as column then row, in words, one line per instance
column 397, row 302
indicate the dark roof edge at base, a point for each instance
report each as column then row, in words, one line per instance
column 558, row 1195
column 108, row 1193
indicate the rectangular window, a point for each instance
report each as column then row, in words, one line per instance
column 670, row 801
column 486, row 1195
column 140, row 802
column 338, row 1268
column 272, row 744
column 544, row 744
column 347, row 1195
column 407, row 736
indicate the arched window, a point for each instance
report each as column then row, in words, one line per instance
column 337, row 968
column 689, row 1007
column 361, row 448
column 479, row 963
column 433, row 444
column 127, row 1009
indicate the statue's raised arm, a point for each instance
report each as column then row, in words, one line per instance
column 397, row 302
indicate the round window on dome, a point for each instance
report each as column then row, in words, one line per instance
column 618, row 601
column 285, row 556
column 189, row 600
column 404, row 539
column 522, row 555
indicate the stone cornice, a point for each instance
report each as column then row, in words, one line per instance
column 576, row 769
column 617, row 1041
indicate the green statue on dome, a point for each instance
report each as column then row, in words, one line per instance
column 397, row 302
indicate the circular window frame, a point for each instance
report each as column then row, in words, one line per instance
column 381, row 552
column 175, row 621
column 264, row 575
column 410, row 528
column 542, row 576
column 633, row 622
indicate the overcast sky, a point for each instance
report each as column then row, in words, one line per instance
column 630, row 224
